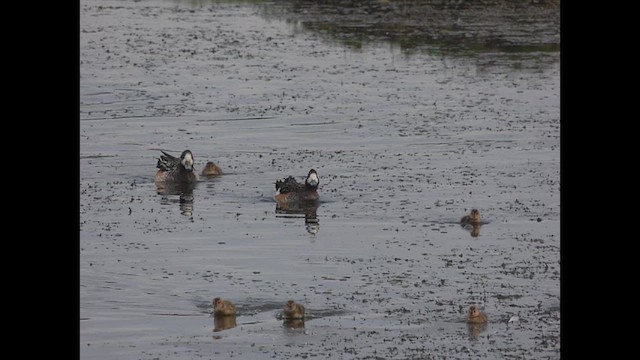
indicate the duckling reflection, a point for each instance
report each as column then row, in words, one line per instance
column 476, row 329
column 224, row 323
column 474, row 229
column 308, row 209
column 293, row 323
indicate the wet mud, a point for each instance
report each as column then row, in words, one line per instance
column 410, row 121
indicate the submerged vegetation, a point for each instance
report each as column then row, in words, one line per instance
column 516, row 26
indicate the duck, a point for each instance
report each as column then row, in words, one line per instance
column 473, row 218
column 288, row 190
column 176, row 170
column 293, row 310
column 223, row 307
column 476, row 316
column 211, row 170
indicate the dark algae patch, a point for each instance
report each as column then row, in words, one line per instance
column 440, row 26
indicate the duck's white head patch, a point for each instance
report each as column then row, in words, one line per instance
column 312, row 178
column 187, row 160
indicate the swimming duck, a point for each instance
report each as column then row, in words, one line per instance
column 293, row 310
column 176, row 170
column 289, row 190
column 223, row 307
column 476, row 316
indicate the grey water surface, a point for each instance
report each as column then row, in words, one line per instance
column 412, row 113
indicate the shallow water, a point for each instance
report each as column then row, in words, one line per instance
column 406, row 140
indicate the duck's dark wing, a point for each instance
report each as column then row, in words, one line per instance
column 287, row 185
column 167, row 162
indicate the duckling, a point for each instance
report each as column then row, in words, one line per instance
column 476, row 316
column 211, row 169
column 223, row 307
column 473, row 218
column 293, row 310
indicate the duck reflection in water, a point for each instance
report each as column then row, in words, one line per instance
column 185, row 200
column 475, row 330
column 175, row 188
column 308, row 209
column 186, row 205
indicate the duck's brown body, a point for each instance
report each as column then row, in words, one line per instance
column 173, row 170
column 289, row 191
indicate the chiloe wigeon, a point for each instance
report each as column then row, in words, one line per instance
column 288, row 190
column 176, row 170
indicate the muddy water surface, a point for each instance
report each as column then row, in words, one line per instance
column 408, row 132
